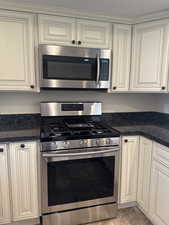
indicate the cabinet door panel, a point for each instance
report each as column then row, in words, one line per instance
column 129, row 169
column 17, row 53
column 24, row 180
column 150, row 56
column 5, row 216
column 94, row 34
column 144, row 173
column 57, row 30
column 159, row 194
column 121, row 57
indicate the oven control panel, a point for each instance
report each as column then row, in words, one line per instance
column 79, row 144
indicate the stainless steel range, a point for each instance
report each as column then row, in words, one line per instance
column 79, row 164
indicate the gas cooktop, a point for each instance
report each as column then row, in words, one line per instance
column 68, row 128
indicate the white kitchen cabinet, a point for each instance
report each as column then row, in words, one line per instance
column 93, row 34
column 144, row 173
column 57, row 30
column 17, row 51
column 159, row 194
column 74, row 32
column 129, row 169
column 149, row 68
column 5, row 215
column 24, row 181
column 121, row 57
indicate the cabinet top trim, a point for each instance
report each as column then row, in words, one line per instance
column 59, row 11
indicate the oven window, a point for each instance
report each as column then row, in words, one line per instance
column 80, row 180
column 69, row 68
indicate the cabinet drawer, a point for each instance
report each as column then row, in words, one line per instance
column 161, row 153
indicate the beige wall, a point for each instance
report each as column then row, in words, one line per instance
column 163, row 103
column 29, row 102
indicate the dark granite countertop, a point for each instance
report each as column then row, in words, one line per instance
column 153, row 132
column 152, row 125
column 21, row 127
column 20, row 135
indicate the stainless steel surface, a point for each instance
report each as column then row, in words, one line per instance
column 81, row 216
column 98, row 69
column 50, row 83
column 55, row 109
column 69, row 206
column 75, row 52
column 55, row 156
column 86, row 143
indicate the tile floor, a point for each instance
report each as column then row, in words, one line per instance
column 129, row 216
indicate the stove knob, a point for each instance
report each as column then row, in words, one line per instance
column 108, row 141
column 81, row 142
column 97, row 142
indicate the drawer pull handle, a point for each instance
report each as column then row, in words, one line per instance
column 73, row 42
column 1, row 150
column 79, row 42
column 125, row 140
column 22, row 145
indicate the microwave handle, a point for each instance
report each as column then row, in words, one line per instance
column 98, row 69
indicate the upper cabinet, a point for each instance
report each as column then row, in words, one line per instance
column 17, row 51
column 74, row 32
column 121, row 57
column 149, row 71
column 57, row 30
column 93, row 34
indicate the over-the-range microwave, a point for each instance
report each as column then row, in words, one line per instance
column 74, row 67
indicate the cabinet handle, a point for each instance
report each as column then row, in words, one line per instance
column 163, row 88
column 73, row 42
column 125, row 140
column 32, row 86
column 22, row 145
column 79, row 42
column 114, row 88
column 1, row 150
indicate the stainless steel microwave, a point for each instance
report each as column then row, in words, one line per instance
column 73, row 67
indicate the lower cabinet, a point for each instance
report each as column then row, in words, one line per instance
column 18, row 182
column 159, row 194
column 23, row 164
column 5, row 214
column 129, row 169
column 144, row 173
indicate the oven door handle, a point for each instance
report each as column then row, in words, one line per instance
column 80, row 155
column 98, row 69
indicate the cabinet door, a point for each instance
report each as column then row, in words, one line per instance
column 4, row 187
column 150, row 57
column 17, row 53
column 23, row 159
column 159, row 194
column 93, row 34
column 144, row 173
column 121, row 57
column 57, row 30
column 129, row 169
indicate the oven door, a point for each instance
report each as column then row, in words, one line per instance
column 74, row 180
column 70, row 67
